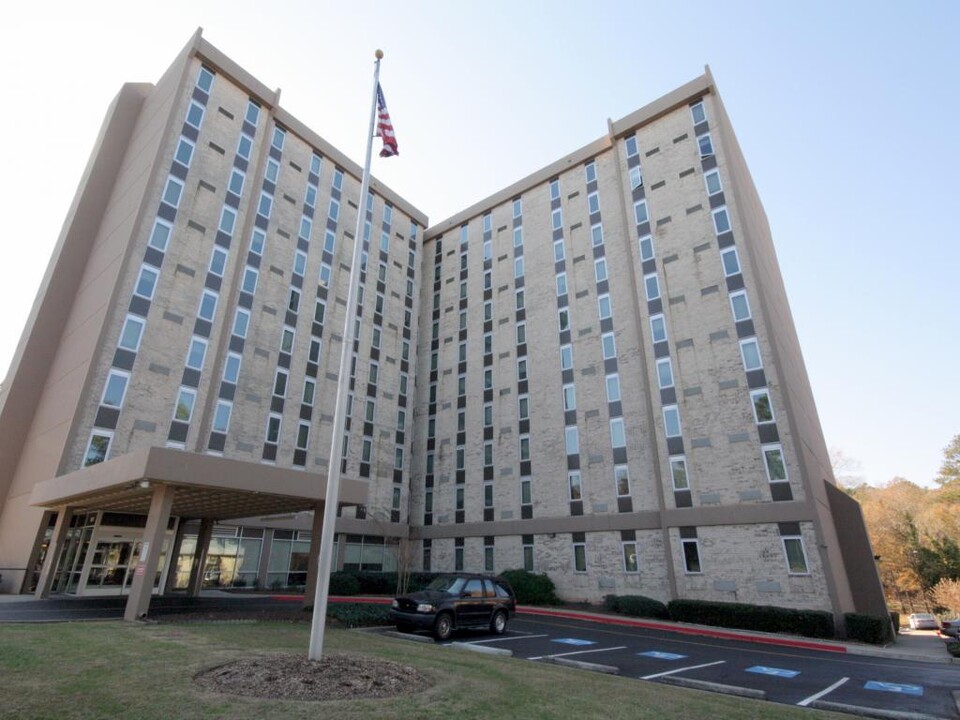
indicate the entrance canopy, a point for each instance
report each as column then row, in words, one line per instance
column 206, row 486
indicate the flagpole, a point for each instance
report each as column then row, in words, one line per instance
column 343, row 384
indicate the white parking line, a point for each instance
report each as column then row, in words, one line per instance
column 504, row 639
column 578, row 652
column 683, row 669
column 825, row 691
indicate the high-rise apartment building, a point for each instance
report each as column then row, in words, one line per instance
column 593, row 373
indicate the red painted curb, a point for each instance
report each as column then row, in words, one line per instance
column 701, row 632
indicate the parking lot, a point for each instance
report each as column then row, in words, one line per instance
column 783, row 674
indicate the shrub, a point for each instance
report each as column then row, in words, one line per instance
column 532, row 588
column 867, row 628
column 636, row 606
column 953, row 647
column 809, row 623
column 895, row 620
column 342, row 583
column 353, row 615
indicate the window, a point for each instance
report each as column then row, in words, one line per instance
column 244, row 146
column 664, row 373
column 523, row 409
column 613, row 388
column 98, row 448
column 329, row 241
column 521, row 299
column 334, row 212
column 241, row 321
column 528, row 553
column 600, row 269
column 278, row 136
column 319, row 311
column 517, row 207
column 698, row 113
column 590, row 172
column 257, row 241
column 488, row 379
column 572, row 440
column 593, row 203
column 236, row 182
column 646, row 248
column 299, row 262
column 575, row 484
column 461, row 420
column 146, row 282
column 218, row 261
column 488, row 415
column 558, row 251
column 795, row 555
column 488, row 454
column 631, row 146
column 762, row 407
column 221, row 416
column 387, row 210
column 621, row 478
column 160, row 235
column 458, row 557
column 604, row 306
column 569, row 397
column 385, row 242
column 712, row 181
column 521, row 335
column 618, row 434
column 195, row 114
column 461, row 457
column 671, row 421
column 196, row 353
column 324, row 278
column 526, row 491
column 366, row 450
column 705, row 144
column 640, row 212
column 306, row 227
column 131, row 333
column 286, row 339
column 375, row 338
column 658, row 328
column 556, row 219
column 652, row 285
column 280, row 383
column 205, row 79
column 265, row 207
column 566, row 357
column 231, row 368
column 721, row 221
column 609, row 345
column 428, row 501
column 518, row 236
column 773, row 460
column 487, row 279
column 630, row 564
column 273, row 428
column 374, row 373
column 272, row 171
column 250, row 276
column 518, row 267
column 678, row 472
column 487, row 249
column 561, row 284
column 579, row 557
column 309, row 392
column 740, row 305
column 461, row 353
column 691, row 556
column 310, row 197
column 596, row 234
column 524, row 448
column 115, row 389
column 183, row 410
column 315, row 161
column 730, row 260
column 750, row 350
column 636, row 177
column 338, row 179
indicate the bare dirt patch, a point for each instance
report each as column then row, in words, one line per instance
column 334, row 677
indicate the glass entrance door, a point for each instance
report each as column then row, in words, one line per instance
column 113, row 565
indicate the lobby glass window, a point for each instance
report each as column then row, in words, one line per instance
column 762, row 406
column 773, row 460
column 796, row 557
column 183, row 410
column 131, row 333
column 730, row 260
column 678, row 472
column 740, row 305
column 575, row 484
column 160, row 235
column 196, row 353
column 613, row 388
column 115, row 389
column 671, row 421
column 146, row 282
column 750, row 350
column 664, row 373
column 691, row 556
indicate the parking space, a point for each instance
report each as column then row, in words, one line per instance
column 795, row 676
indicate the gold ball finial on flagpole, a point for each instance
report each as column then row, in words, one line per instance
column 379, row 54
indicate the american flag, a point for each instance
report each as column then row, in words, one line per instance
column 385, row 127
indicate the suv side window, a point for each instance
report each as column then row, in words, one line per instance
column 488, row 590
column 474, row 588
column 501, row 591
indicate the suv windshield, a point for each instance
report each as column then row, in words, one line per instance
column 449, row 585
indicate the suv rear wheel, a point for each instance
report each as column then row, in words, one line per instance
column 499, row 622
column 443, row 626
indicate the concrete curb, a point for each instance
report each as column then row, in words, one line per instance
column 482, row 649
column 408, row 636
column 870, row 712
column 714, row 687
column 581, row 665
column 882, row 652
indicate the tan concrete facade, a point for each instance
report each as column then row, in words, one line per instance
column 530, row 376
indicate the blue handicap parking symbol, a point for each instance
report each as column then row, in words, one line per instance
column 661, row 655
column 900, row 688
column 777, row 672
column 574, row 641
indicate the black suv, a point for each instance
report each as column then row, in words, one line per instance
column 452, row 602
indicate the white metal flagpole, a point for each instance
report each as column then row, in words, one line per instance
column 343, row 388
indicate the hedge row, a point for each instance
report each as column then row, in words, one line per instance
column 636, row 606
column 351, row 582
column 809, row 623
column 532, row 588
column 353, row 615
column 868, row 628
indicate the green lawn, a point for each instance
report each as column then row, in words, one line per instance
column 122, row 670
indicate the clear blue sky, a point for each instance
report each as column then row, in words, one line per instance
column 844, row 110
